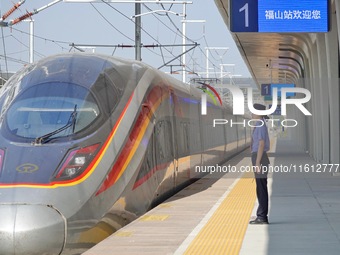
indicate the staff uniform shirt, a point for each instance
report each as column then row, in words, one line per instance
column 260, row 133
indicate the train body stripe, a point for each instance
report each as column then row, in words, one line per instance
column 153, row 101
column 150, row 173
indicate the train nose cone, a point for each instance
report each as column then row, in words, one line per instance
column 31, row 229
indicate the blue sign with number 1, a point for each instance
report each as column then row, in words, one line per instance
column 266, row 90
column 244, row 15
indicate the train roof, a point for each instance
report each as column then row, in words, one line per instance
column 86, row 68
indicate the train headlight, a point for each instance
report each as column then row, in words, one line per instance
column 80, row 160
column 76, row 161
column 69, row 172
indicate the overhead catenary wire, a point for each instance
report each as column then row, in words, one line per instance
column 15, row 60
column 215, row 67
column 202, row 51
column 5, row 36
column 121, row 32
column 16, row 52
column 176, row 32
column 129, row 38
column 132, row 21
column 57, row 42
column 26, row 46
column 179, row 31
column 141, row 29
column 154, row 14
column 169, row 50
column 75, row 45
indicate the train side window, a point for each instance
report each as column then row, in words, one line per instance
column 184, row 146
column 148, row 161
column 115, row 78
column 163, row 141
column 109, row 87
column 187, row 137
column 107, row 94
column 194, row 138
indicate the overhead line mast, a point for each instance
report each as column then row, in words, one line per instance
column 138, row 24
column 22, row 18
column 138, row 14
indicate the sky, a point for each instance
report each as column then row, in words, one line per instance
column 62, row 24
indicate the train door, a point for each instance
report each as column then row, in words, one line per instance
column 164, row 156
column 181, row 134
column 174, row 105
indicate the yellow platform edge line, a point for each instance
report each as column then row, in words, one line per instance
column 225, row 230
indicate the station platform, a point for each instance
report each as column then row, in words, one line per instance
column 211, row 216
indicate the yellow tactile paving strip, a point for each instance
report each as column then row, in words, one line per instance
column 225, row 230
column 154, row 217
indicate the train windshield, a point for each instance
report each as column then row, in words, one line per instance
column 46, row 108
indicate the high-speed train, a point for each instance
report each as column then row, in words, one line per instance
column 89, row 143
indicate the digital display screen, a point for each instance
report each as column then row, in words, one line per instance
column 293, row 16
column 279, row 16
column 280, row 86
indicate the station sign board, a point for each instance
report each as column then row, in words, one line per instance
column 267, row 90
column 277, row 16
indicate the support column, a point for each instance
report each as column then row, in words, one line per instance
column 316, row 105
column 309, row 119
column 323, row 97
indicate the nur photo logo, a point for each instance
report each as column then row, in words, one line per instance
column 213, row 95
column 238, row 99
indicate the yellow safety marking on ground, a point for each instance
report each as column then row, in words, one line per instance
column 154, row 217
column 166, row 205
column 225, row 230
column 96, row 234
column 124, row 233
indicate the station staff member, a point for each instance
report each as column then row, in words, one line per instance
column 259, row 147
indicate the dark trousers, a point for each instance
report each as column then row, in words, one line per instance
column 261, row 187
